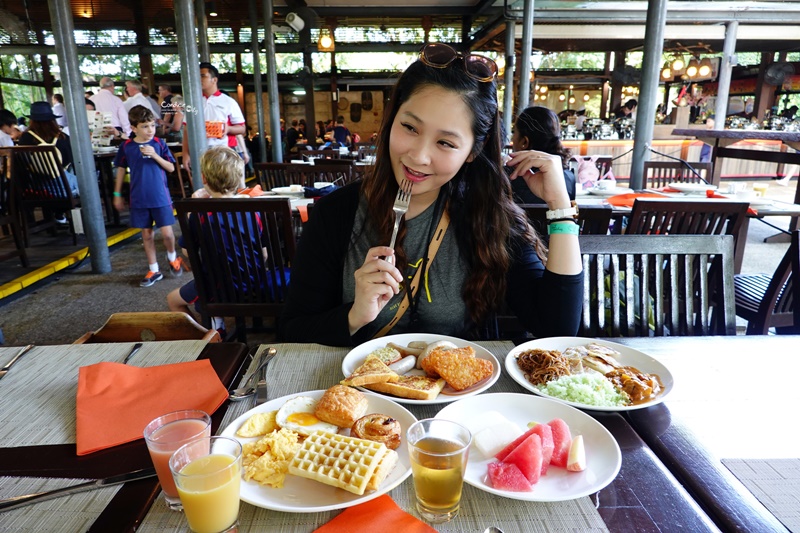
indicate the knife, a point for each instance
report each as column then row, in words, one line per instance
column 23, row 351
column 19, row 501
column 261, row 386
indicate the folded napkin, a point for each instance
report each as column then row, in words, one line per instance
column 626, row 200
column 380, row 514
column 252, row 192
column 303, row 210
column 115, row 401
column 750, row 210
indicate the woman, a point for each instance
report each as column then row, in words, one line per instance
column 43, row 129
column 538, row 128
column 441, row 132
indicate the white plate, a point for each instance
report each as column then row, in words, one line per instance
column 301, row 495
column 603, row 456
column 609, row 192
column 287, row 191
column 322, row 184
column 628, row 357
column 692, row 187
column 357, row 355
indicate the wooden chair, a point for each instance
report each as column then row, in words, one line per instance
column 149, row 326
column 328, row 153
column 179, row 175
column 772, row 301
column 662, row 173
column 365, row 150
column 39, row 181
column 9, row 215
column 271, row 175
column 592, row 219
column 225, row 238
column 339, row 171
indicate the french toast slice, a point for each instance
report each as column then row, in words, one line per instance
column 411, row 387
column 373, row 370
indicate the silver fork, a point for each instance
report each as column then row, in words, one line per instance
column 400, row 207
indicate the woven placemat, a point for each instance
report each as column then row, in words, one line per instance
column 306, row 367
column 776, row 484
column 39, row 403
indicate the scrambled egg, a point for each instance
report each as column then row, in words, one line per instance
column 266, row 461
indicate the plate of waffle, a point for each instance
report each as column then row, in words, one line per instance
column 299, row 489
column 444, row 369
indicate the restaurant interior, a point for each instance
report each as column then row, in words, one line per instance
column 689, row 254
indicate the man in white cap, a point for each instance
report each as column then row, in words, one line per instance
column 106, row 101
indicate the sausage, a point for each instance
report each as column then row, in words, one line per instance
column 404, row 365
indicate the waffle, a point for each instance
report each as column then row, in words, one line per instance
column 344, row 462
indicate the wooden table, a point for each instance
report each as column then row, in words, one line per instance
column 130, row 503
column 734, row 398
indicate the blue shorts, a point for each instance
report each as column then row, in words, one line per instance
column 144, row 218
column 189, row 294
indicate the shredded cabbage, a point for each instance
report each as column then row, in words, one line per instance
column 587, row 388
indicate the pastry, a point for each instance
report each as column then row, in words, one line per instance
column 379, row 428
column 341, row 406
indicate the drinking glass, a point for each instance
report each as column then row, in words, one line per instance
column 438, row 450
column 208, row 475
column 164, row 435
column 141, row 149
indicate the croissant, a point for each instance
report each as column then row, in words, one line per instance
column 379, row 428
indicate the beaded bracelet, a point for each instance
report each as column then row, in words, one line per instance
column 567, row 228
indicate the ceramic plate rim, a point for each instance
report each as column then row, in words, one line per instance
column 286, row 192
column 573, row 417
column 388, row 484
column 610, row 192
column 404, row 339
column 692, row 187
column 652, row 365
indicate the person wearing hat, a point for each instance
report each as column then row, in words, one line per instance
column 580, row 118
column 44, row 130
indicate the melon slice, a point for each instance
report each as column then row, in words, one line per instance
column 506, row 476
column 510, row 448
column 546, row 433
column 528, row 458
column 562, row 440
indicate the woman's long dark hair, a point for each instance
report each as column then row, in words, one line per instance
column 481, row 207
column 46, row 129
column 543, row 131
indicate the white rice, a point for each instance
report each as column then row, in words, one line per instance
column 589, row 388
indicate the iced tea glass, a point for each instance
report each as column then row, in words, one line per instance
column 438, row 450
column 164, row 435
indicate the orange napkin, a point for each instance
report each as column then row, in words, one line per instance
column 380, row 514
column 253, row 192
column 303, row 210
column 626, row 200
column 115, row 401
column 712, row 194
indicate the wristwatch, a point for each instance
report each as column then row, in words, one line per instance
column 561, row 214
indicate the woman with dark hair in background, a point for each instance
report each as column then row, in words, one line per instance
column 538, row 128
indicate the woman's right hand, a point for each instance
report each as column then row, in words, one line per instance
column 377, row 281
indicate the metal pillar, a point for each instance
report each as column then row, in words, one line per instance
column 724, row 78
column 202, row 30
column 648, row 90
column 272, row 85
column 525, row 60
column 191, row 84
column 72, row 83
column 508, row 101
column 257, row 89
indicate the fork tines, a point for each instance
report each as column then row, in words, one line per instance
column 400, row 207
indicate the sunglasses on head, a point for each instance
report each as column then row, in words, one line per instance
column 440, row 55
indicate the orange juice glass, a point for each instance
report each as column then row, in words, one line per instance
column 164, row 435
column 208, row 474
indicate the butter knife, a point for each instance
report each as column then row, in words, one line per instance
column 23, row 351
column 261, row 386
column 19, row 501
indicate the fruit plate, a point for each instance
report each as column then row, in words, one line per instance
column 603, row 456
column 628, row 357
column 300, row 495
column 357, row 355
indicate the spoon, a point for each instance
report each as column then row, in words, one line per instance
column 249, row 384
column 492, row 529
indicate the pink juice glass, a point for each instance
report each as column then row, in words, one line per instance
column 164, row 435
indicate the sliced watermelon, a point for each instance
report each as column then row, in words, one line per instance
column 510, row 448
column 562, row 440
column 506, row 476
column 528, row 458
column 546, row 433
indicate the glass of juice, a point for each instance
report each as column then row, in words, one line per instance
column 208, row 474
column 438, row 450
column 164, row 435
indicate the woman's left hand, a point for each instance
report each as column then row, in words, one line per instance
column 543, row 173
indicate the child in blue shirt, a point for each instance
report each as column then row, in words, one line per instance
column 149, row 159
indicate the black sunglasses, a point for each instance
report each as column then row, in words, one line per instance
column 440, row 55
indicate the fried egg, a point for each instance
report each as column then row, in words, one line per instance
column 297, row 415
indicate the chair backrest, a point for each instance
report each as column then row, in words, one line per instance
column 638, row 286
column 39, row 178
column 339, row 171
column 271, row 175
column 686, row 217
column 662, row 173
column 780, row 305
column 365, row 150
column 326, row 153
column 149, row 326
column 225, row 239
column 592, row 219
